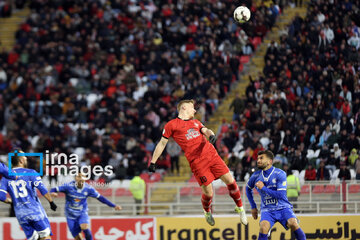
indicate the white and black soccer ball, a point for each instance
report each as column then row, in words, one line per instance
column 242, row 14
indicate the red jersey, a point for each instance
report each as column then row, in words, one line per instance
column 187, row 133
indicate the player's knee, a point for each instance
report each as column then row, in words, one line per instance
column 264, row 227
column 293, row 224
column 207, row 191
column 84, row 226
column 227, row 178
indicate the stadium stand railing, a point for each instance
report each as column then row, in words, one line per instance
column 315, row 197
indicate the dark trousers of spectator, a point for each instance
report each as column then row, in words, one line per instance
column 298, row 3
column 357, row 176
column 53, row 177
column 174, row 164
column 293, row 201
column 138, row 203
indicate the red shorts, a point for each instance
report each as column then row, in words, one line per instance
column 208, row 168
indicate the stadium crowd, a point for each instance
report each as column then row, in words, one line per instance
column 102, row 77
column 305, row 105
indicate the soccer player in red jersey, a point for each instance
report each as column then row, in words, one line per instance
column 205, row 162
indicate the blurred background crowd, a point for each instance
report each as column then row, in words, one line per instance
column 101, row 78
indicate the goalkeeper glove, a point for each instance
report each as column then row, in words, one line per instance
column 212, row 139
column 152, row 167
column 53, row 206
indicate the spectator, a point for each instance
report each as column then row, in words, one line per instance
column 310, row 173
column 357, row 169
column 239, row 172
column 137, row 188
column 337, row 151
column 326, row 133
column 352, row 142
column 238, row 105
column 322, row 173
column 293, row 188
column 174, row 150
column 344, row 173
column 353, row 157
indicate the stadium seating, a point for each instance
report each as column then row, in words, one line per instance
column 197, row 191
column 330, row 188
column 305, row 189
column 318, row 189
column 354, row 188
column 244, row 59
column 121, row 192
column 221, row 191
column 185, row 191
column 106, row 192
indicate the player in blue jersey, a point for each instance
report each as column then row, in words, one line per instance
column 28, row 209
column 5, row 171
column 270, row 182
column 76, row 209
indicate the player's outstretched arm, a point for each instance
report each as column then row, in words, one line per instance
column 3, row 197
column 109, row 203
column 157, row 152
column 4, row 170
column 40, row 186
column 53, row 192
column 3, row 191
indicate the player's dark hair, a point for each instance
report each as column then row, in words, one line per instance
column 184, row 101
column 15, row 159
column 268, row 154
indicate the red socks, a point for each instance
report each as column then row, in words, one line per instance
column 234, row 192
column 206, row 202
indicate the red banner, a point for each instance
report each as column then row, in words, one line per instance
column 11, row 230
column 123, row 229
column 102, row 229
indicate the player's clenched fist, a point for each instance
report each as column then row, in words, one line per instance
column 152, row 167
column 118, row 207
column 259, row 184
column 53, row 206
column 254, row 213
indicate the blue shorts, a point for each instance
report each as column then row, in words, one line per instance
column 74, row 224
column 36, row 229
column 280, row 216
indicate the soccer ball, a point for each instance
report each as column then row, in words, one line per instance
column 242, row 14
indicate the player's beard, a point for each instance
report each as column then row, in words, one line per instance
column 79, row 185
column 261, row 167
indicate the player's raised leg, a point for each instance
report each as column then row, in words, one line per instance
column 206, row 199
column 74, row 228
column 235, row 194
column 86, row 230
column 264, row 230
column 293, row 224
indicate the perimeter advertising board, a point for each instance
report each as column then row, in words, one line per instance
column 229, row 228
